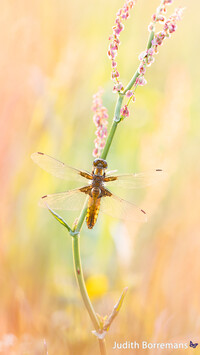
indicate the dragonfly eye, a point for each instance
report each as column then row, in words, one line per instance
column 101, row 163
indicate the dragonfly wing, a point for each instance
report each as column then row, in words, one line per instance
column 70, row 200
column 119, row 208
column 111, row 172
column 135, row 181
column 59, row 169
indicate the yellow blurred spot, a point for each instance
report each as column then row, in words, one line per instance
column 97, row 285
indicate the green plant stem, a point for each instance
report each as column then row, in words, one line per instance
column 83, row 290
column 113, row 128
column 78, row 269
column 151, row 37
column 77, row 229
column 80, row 279
column 131, row 82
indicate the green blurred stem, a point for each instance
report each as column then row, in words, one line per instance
column 150, row 39
column 131, row 82
column 81, row 282
column 113, row 128
column 78, row 268
column 80, row 279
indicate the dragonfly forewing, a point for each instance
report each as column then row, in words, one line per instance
column 59, row 169
column 135, row 181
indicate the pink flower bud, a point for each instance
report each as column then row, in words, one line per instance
column 150, row 27
column 142, row 55
column 119, row 12
column 150, row 60
column 115, row 74
column 168, row 2
column 118, row 87
column 95, row 153
column 172, row 28
column 150, row 51
column 124, row 111
column 141, row 81
column 142, row 69
column 160, row 18
column 154, row 18
column 129, row 93
column 96, row 119
column 102, row 144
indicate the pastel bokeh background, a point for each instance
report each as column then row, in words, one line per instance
column 53, row 59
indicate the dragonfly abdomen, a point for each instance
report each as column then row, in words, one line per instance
column 92, row 211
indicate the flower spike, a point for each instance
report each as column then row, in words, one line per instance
column 100, row 119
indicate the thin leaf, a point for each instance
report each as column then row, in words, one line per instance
column 108, row 320
column 60, row 219
column 115, row 311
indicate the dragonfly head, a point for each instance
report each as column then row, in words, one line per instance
column 99, row 166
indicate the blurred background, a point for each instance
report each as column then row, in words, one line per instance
column 52, row 60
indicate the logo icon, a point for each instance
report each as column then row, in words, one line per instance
column 193, row 345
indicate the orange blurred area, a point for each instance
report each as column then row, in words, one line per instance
column 52, row 60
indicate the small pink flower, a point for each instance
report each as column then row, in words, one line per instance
column 113, row 46
column 95, row 153
column 118, row 87
column 102, row 144
column 142, row 55
column 141, row 81
column 150, row 51
column 124, row 112
column 112, row 54
column 129, row 93
column 142, row 69
column 168, row 2
column 115, row 74
column 154, row 42
column 161, row 18
column 96, row 119
column 151, row 27
column 150, row 60
column 154, row 17
column 172, row 28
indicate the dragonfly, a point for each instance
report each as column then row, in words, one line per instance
column 100, row 198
